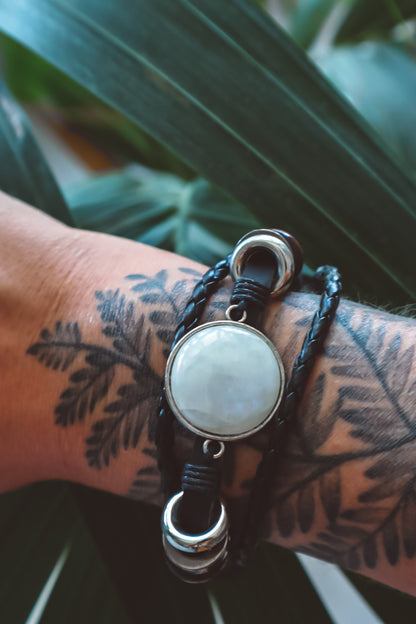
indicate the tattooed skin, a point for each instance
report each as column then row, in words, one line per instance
column 360, row 400
column 366, row 393
column 93, row 369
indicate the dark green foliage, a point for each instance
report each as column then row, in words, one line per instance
column 374, row 17
column 222, row 86
column 291, row 150
column 24, row 172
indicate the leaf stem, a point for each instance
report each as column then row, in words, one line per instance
column 118, row 358
column 380, row 376
column 338, row 460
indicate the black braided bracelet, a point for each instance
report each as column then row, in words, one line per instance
column 170, row 475
column 194, row 524
column 329, row 280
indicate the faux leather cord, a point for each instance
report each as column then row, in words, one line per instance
column 201, row 477
column 201, row 482
column 165, row 435
column 199, row 506
column 328, row 279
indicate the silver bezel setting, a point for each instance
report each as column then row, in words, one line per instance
column 199, row 431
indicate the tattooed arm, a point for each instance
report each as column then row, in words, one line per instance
column 85, row 324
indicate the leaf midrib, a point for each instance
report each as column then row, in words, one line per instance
column 104, row 34
column 136, row 55
column 208, row 21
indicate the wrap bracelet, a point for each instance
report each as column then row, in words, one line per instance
column 225, row 381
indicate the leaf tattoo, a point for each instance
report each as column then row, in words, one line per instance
column 94, row 367
column 67, row 336
column 366, row 381
column 371, row 373
column 146, row 485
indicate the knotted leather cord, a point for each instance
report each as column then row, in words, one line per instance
column 199, row 507
column 165, row 436
column 329, row 280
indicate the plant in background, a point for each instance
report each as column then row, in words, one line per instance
column 229, row 126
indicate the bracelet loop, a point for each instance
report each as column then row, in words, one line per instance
column 194, row 558
column 278, row 245
column 217, row 454
column 224, row 381
column 192, row 543
column 235, row 307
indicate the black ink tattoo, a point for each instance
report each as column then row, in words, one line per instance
column 364, row 393
column 373, row 380
column 146, row 485
column 130, row 341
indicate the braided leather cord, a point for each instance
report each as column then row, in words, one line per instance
column 329, row 278
column 165, row 435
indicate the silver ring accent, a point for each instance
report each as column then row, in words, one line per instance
column 229, row 317
column 274, row 242
column 200, row 564
column 219, row 453
column 192, row 543
column 210, row 434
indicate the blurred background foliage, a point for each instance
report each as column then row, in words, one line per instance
column 194, row 122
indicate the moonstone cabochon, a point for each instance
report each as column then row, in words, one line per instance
column 224, row 380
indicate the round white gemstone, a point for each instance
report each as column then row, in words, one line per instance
column 225, row 380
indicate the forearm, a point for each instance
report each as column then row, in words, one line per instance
column 79, row 399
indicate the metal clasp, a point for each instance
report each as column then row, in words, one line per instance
column 194, row 558
column 288, row 257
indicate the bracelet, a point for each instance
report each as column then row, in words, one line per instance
column 225, row 381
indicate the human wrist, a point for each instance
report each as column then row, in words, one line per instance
column 341, row 490
column 30, row 268
column 118, row 367
column 336, row 419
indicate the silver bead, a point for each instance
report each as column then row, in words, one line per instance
column 195, row 558
column 280, row 248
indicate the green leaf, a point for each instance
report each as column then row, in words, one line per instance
column 249, row 112
column 128, row 536
column 386, row 601
column 84, row 592
column 380, row 80
column 24, row 172
column 194, row 219
column 29, row 78
column 369, row 17
column 37, row 524
column 269, row 590
column 306, row 20
column 38, row 83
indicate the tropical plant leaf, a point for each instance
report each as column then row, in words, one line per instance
column 369, row 17
column 273, row 572
column 38, row 523
column 128, row 536
column 36, row 82
column 306, row 20
column 290, row 148
column 24, row 172
column 380, row 80
column 386, row 601
column 84, row 592
column 196, row 219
